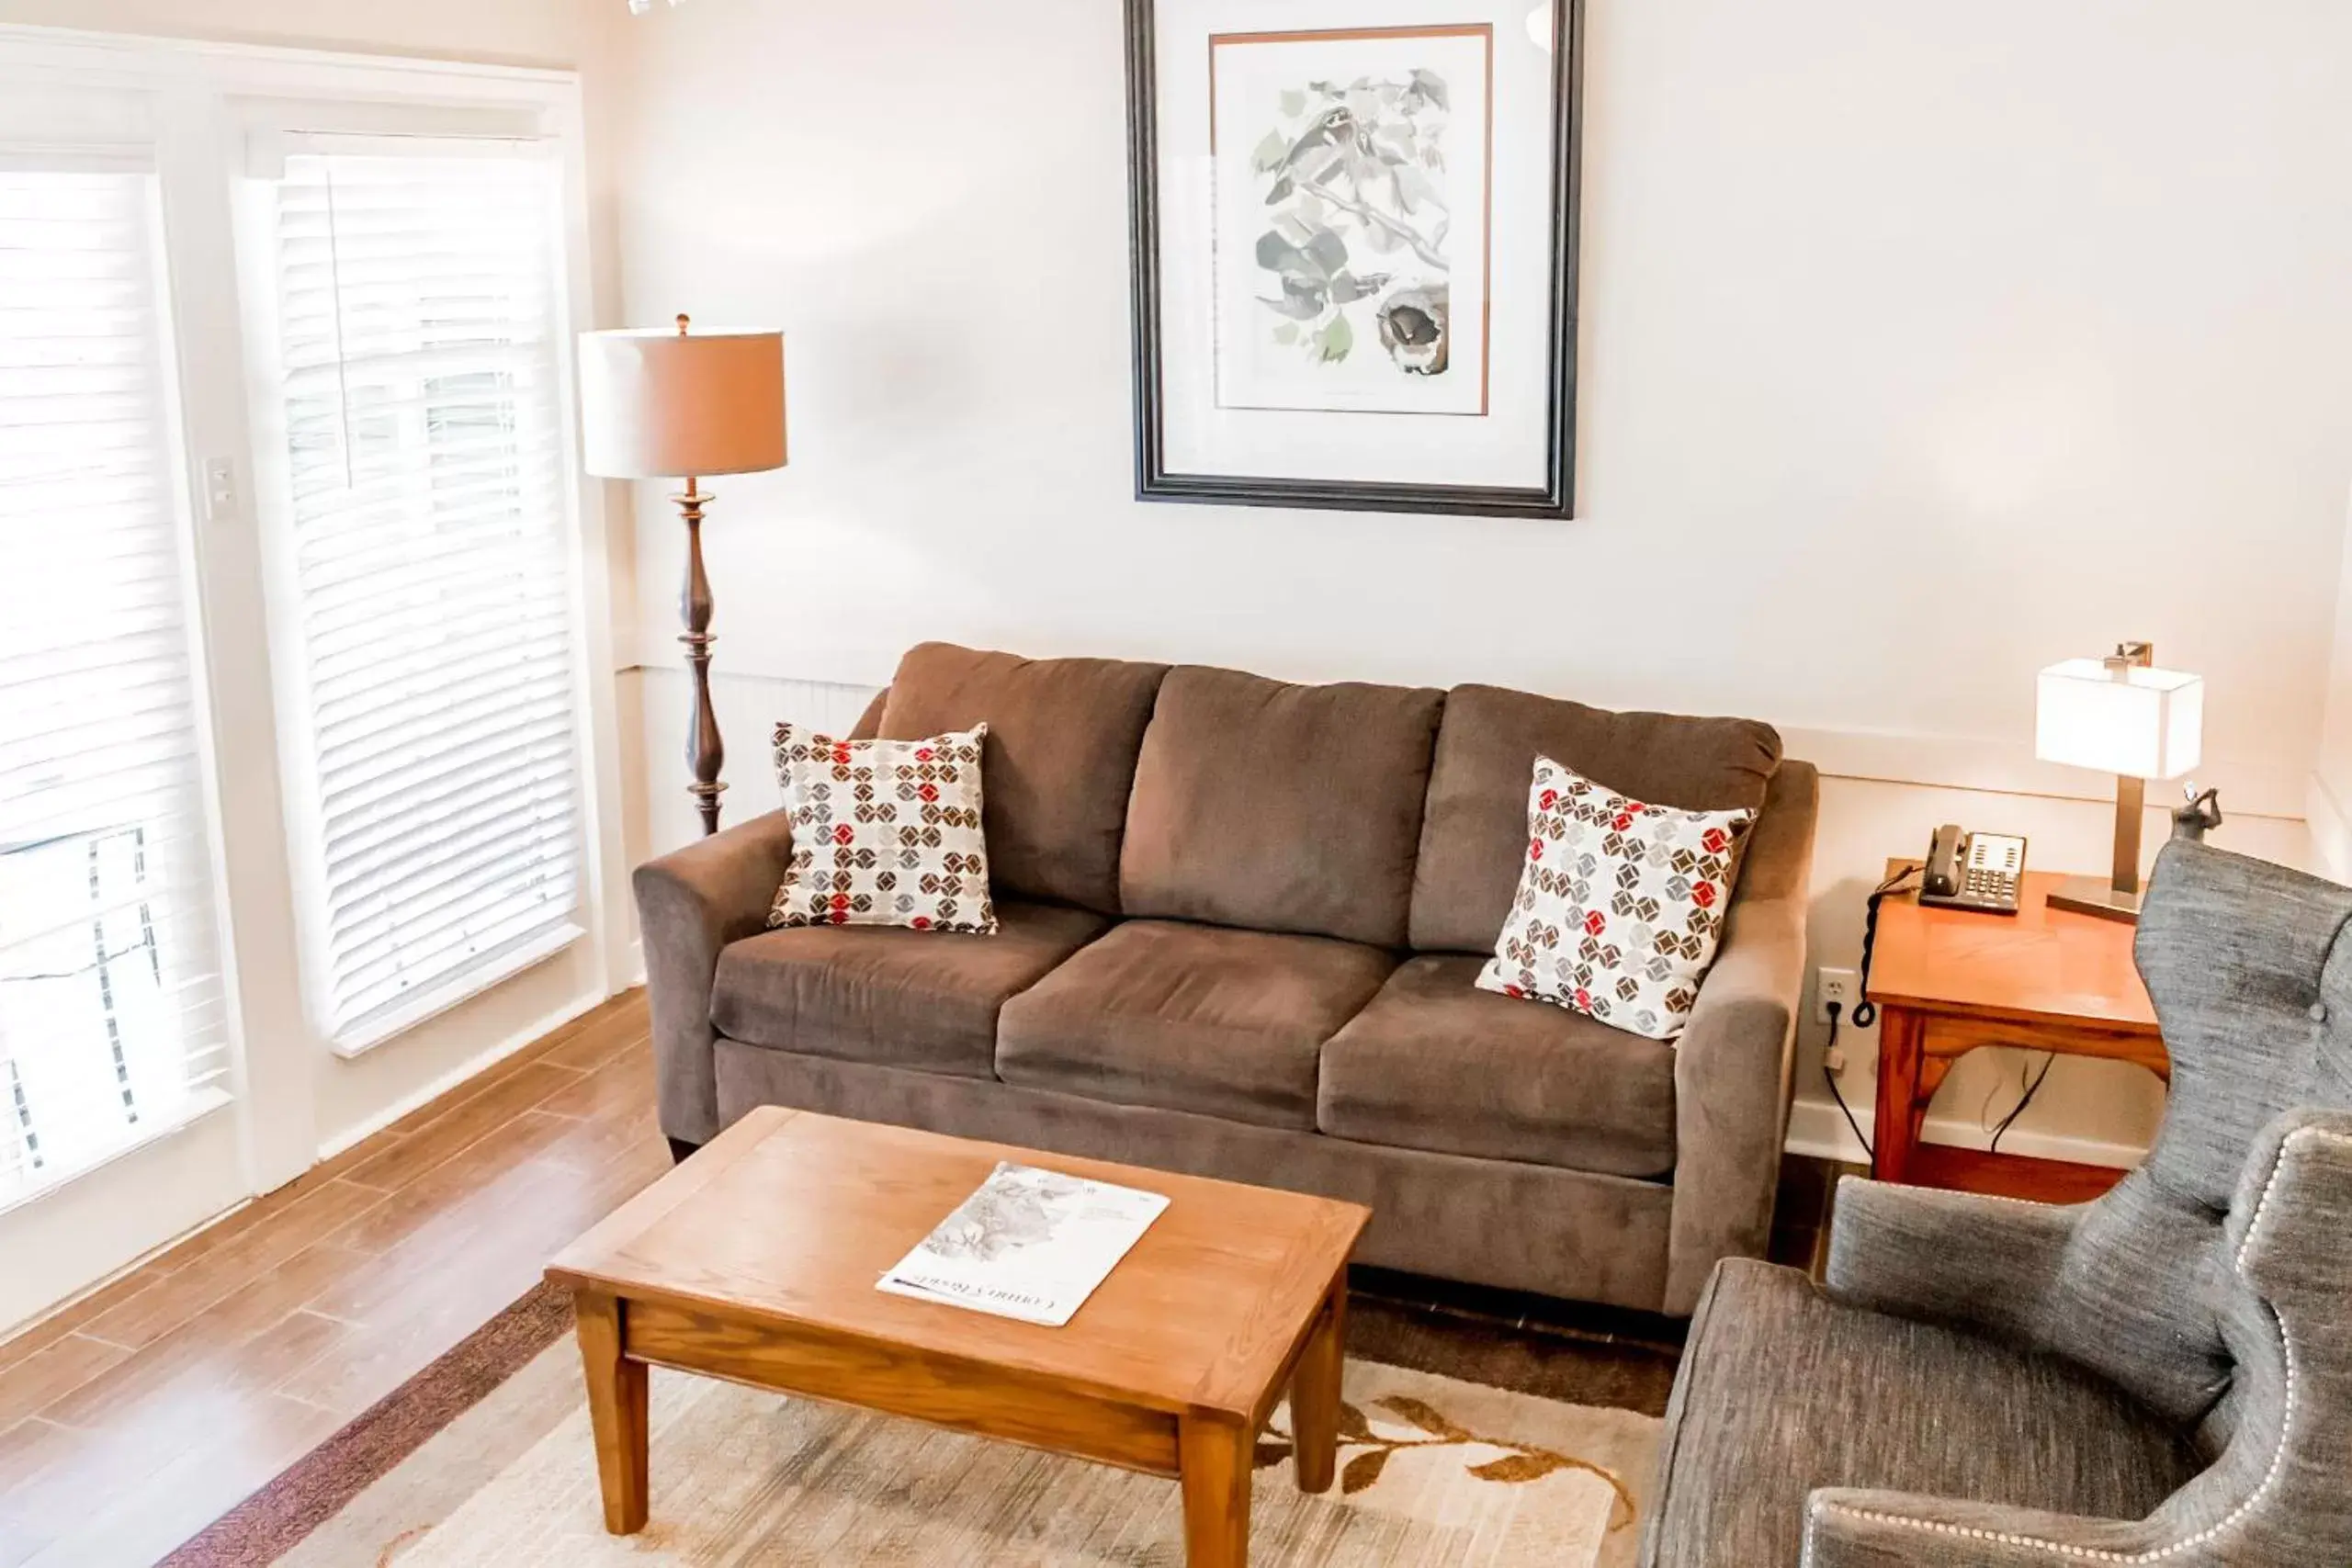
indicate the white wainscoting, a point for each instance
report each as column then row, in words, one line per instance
column 1881, row 795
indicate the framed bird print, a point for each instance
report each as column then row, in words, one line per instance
column 1354, row 236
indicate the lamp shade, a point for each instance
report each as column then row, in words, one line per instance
column 2135, row 721
column 660, row 404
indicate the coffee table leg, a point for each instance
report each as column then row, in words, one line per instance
column 1315, row 1394
column 1215, row 1453
column 617, row 1390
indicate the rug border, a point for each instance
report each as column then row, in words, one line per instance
column 280, row 1515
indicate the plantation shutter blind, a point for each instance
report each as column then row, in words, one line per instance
column 417, row 311
column 112, row 1017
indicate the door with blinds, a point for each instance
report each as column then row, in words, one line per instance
column 425, row 574
column 300, row 591
column 112, row 1022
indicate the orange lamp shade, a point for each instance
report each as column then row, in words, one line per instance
column 661, row 404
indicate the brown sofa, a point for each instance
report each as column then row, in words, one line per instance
column 1240, row 920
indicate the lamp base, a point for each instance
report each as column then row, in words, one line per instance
column 2096, row 896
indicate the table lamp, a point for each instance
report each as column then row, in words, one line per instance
column 661, row 405
column 2121, row 715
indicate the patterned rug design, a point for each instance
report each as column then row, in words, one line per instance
column 485, row 1458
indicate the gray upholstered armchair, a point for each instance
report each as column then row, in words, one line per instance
column 2162, row 1376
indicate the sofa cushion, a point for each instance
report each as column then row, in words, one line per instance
column 1060, row 761
column 1782, row 1391
column 884, row 832
column 897, row 998
column 1190, row 1018
column 1474, row 834
column 1434, row 1063
column 1621, row 906
column 1281, row 808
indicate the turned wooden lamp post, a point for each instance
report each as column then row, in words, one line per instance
column 664, row 405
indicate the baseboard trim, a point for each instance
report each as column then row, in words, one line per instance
column 417, row 1099
column 1816, row 1129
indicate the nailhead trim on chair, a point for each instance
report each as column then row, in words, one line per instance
column 2154, row 1554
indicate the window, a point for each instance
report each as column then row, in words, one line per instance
column 428, row 529
column 305, row 633
column 111, row 1014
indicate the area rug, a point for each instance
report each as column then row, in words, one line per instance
column 1433, row 1472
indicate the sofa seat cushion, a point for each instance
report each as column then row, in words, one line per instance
column 1782, row 1391
column 1435, row 1063
column 1190, row 1018
column 895, row 998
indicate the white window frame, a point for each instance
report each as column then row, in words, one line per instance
column 271, row 129
column 200, row 102
column 109, row 139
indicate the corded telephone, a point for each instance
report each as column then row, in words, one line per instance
column 1972, row 871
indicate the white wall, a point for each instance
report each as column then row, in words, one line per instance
column 1921, row 347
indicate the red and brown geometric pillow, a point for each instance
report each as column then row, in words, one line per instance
column 1621, row 904
column 884, row 832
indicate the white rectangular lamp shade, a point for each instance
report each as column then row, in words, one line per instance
column 2143, row 723
column 657, row 404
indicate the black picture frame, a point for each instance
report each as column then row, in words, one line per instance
column 1555, row 499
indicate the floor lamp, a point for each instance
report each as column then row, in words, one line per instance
column 663, row 405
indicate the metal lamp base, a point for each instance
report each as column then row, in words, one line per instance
column 2117, row 897
column 2096, row 896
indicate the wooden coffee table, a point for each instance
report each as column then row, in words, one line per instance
column 756, row 1261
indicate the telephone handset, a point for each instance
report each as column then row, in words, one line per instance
column 1972, row 871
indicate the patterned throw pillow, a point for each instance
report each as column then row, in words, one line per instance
column 1620, row 906
column 884, row 832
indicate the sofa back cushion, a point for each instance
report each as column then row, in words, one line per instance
column 1280, row 807
column 1060, row 758
column 1473, row 831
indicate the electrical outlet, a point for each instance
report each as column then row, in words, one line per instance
column 1840, row 985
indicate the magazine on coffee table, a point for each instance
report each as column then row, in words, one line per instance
column 1029, row 1244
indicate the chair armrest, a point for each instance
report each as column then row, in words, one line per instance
column 1949, row 1257
column 1731, row 1067
column 690, row 905
column 2277, row 1493
column 1846, row 1527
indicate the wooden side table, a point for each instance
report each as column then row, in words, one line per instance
column 1947, row 981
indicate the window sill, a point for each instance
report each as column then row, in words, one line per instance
column 204, row 1102
column 382, row 1027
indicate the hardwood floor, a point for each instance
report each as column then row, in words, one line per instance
column 135, row 1417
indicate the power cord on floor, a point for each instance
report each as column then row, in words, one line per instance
column 1866, row 1014
column 1831, row 1079
column 2023, row 1100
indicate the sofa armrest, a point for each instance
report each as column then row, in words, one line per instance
column 690, row 905
column 1731, row 1067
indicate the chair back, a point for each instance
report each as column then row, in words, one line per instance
column 2251, row 974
